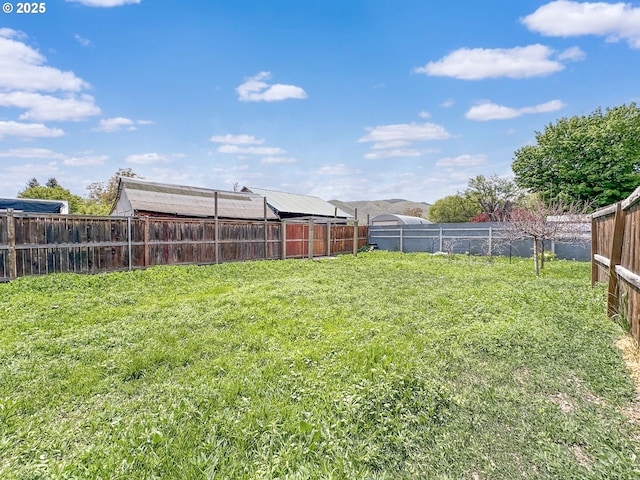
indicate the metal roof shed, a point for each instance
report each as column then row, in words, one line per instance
column 35, row 205
column 140, row 197
column 394, row 219
column 292, row 205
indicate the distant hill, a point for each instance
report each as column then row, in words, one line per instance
column 376, row 207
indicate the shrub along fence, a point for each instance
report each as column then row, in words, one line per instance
column 615, row 247
column 469, row 238
column 36, row 244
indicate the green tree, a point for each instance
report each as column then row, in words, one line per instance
column 495, row 196
column 33, row 183
column 54, row 193
column 52, row 183
column 591, row 159
column 103, row 194
column 453, row 209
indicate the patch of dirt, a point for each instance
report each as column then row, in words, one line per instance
column 522, row 377
column 582, row 458
column 631, row 354
column 563, row 401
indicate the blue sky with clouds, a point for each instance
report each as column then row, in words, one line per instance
column 343, row 99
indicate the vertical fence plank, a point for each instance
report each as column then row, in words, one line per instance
column 265, row 207
column 594, row 251
column 614, row 259
column 355, row 238
column 310, row 253
column 11, row 243
column 147, row 254
column 283, row 236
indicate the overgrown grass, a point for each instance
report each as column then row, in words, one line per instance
column 382, row 366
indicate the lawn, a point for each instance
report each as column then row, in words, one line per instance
column 380, row 366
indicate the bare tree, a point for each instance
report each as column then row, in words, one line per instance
column 560, row 222
column 413, row 212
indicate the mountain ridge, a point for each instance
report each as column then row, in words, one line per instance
column 371, row 208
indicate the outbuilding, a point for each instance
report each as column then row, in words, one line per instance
column 142, row 198
column 31, row 205
column 293, row 206
column 394, row 219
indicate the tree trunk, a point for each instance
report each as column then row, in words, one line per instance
column 535, row 256
column 542, row 254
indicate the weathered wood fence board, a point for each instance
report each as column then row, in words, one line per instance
column 36, row 244
column 616, row 258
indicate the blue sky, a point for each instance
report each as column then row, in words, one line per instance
column 345, row 99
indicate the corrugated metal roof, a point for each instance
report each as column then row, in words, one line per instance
column 393, row 218
column 191, row 201
column 292, row 203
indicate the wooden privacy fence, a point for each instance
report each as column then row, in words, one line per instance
column 36, row 244
column 615, row 248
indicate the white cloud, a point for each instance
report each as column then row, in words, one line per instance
column 236, row 139
column 491, row 111
column 105, row 3
column 462, row 161
column 118, row 123
column 480, row 63
column 278, row 160
column 46, row 107
column 44, row 153
column 82, row 41
column 396, row 141
column 338, row 169
column 147, row 159
column 85, row 161
column 447, row 103
column 29, row 170
column 267, row 151
column 424, row 115
column 32, row 130
column 255, row 89
column 115, row 124
column 564, row 18
column 393, row 153
column 574, row 54
column 390, row 144
column 23, row 68
column 31, row 153
column 391, row 134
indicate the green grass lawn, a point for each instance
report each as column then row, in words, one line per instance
column 380, row 366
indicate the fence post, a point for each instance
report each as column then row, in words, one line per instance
column 283, row 235
column 146, row 242
column 490, row 242
column 355, row 238
column 615, row 258
column 311, row 238
column 440, row 239
column 11, row 243
column 129, row 242
column 594, row 251
column 401, row 239
column 266, row 231
column 328, row 227
column 216, row 227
